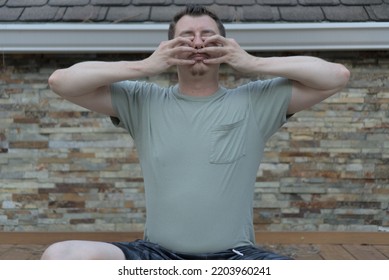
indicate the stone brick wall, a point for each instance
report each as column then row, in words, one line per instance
column 63, row 168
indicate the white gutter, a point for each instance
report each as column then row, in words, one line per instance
column 113, row 38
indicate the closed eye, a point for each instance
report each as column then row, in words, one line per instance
column 186, row 34
column 208, row 33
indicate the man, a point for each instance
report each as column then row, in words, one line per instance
column 199, row 144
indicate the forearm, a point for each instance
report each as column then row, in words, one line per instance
column 86, row 77
column 310, row 71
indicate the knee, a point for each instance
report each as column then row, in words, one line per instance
column 59, row 251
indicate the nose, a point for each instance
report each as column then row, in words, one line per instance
column 198, row 42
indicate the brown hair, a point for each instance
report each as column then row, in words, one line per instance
column 195, row 11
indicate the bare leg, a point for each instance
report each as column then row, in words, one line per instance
column 82, row 250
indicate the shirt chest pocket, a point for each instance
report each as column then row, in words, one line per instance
column 228, row 142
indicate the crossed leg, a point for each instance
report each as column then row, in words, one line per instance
column 82, row 250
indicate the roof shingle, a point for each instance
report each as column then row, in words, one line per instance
column 296, row 13
column 10, row 14
column 360, row 2
column 111, row 2
column 319, row 2
column 85, row 13
column 343, row 13
column 259, row 13
column 378, row 12
column 45, row 13
column 128, row 13
column 114, row 11
column 68, row 2
column 25, row 3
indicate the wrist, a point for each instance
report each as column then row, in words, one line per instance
column 251, row 65
column 137, row 69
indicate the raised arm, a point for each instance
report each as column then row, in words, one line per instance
column 88, row 83
column 313, row 79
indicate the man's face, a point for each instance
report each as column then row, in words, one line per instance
column 197, row 29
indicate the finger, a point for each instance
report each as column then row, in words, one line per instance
column 180, row 41
column 180, row 62
column 214, row 52
column 183, row 49
column 216, row 60
column 182, row 52
column 216, row 39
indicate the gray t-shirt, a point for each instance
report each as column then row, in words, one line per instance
column 200, row 157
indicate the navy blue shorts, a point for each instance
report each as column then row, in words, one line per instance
column 144, row 250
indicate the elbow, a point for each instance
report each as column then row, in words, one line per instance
column 343, row 76
column 54, row 81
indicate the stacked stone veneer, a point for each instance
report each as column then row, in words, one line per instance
column 66, row 169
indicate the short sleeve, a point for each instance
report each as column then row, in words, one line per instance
column 126, row 100
column 269, row 101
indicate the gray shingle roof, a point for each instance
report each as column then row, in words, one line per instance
column 114, row 11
